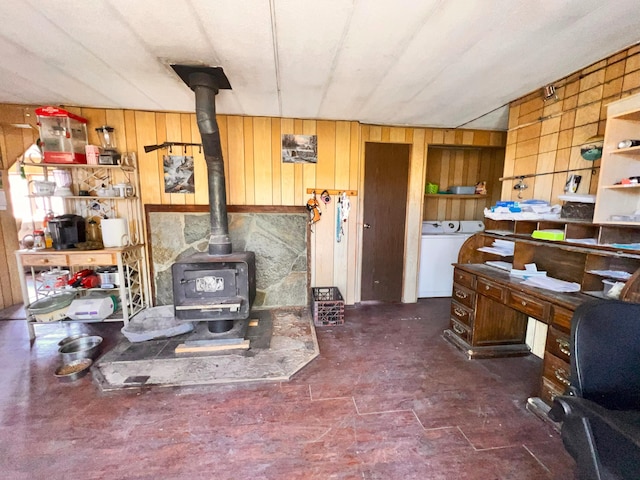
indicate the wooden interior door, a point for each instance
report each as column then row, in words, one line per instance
column 386, row 179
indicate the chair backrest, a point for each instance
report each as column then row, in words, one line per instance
column 605, row 353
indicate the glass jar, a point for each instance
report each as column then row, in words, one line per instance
column 38, row 240
column 93, row 231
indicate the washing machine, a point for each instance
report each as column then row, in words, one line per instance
column 441, row 242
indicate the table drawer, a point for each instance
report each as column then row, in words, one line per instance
column 490, row 289
column 562, row 318
column 558, row 344
column 93, row 258
column 461, row 330
column 529, row 305
column 464, row 278
column 556, row 370
column 462, row 314
column 50, row 259
column 464, row 296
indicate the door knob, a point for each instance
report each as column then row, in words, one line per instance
column 366, row 225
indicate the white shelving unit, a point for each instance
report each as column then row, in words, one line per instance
column 617, row 203
column 133, row 289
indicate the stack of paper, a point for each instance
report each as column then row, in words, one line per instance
column 504, row 248
column 530, row 269
column 501, row 265
column 554, row 284
column 617, row 274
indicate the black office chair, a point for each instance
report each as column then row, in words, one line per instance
column 600, row 413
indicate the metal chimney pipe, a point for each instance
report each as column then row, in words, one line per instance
column 205, row 82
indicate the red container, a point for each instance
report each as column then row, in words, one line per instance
column 63, row 135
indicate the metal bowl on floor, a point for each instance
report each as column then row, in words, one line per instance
column 74, row 370
column 83, row 347
column 71, row 338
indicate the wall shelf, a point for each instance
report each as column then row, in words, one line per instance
column 446, row 196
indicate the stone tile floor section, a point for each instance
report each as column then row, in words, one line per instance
column 387, row 398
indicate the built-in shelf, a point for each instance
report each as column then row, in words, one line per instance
column 457, row 196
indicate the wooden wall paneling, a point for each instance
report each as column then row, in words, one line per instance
column 325, row 179
column 471, row 177
column 385, row 134
column 342, row 150
column 398, row 135
column 185, row 135
column 173, row 133
column 276, row 162
column 200, row 180
column 300, row 187
column 236, row 180
column 249, row 167
column 353, row 227
column 413, row 223
column 262, row 161
column 287, row 170
column 308, row 180
column 222, row 129
column 161, row 137
column 96, row 117
column 148, row 162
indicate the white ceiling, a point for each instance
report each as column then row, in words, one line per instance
column 402, row 62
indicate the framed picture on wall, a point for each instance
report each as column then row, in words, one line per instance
column 178, row 174
column 299, row 148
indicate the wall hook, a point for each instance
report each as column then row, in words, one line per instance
column 520, row 186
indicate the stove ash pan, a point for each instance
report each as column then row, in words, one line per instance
column 208, row 288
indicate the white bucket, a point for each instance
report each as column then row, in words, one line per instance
column 115, row 232
column 55, row 279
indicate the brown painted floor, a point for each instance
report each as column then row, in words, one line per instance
column 386, row 399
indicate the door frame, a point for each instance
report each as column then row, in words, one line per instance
column 415, row 199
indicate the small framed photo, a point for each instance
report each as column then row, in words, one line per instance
column 299, row 148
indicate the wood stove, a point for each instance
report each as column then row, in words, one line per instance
column 218, row 286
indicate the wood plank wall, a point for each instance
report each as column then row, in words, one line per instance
column 545, row 136
column 255, row 174
column 449, row 167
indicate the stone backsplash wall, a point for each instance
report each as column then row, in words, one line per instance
column 279, row 241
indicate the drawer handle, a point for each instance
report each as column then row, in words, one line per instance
column 524, row 304
column 458, row 330
column 90, row 259
column 487, row 287
column 45, row 260
column 563, row 346
column 460, row 294
column 561, row 375
column 458, row 311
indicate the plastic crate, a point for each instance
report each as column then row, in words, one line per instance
column 327, row 306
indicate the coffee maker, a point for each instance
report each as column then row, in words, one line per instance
column 67, row 231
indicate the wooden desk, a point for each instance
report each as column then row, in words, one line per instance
column 490, row 308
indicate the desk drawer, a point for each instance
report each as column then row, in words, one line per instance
column 558, row 344
column 490, row 289
column 529, row 305
column 556, row 371
column 50, row 259
column 464, row 278
column 549, row 391
column 93, row 258
column 462, row 314
column 562, row 318
column 461, row 330
column 464, row 296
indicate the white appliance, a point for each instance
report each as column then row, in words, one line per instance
column 92, row 308
column 441, row 242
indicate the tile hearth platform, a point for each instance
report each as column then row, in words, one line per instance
column 282, row 342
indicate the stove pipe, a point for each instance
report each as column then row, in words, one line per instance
column 205, row 82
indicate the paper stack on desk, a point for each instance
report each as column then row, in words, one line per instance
column 504, row 248
column 530, row 270
column 554, row 284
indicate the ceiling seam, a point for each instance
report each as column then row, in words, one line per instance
column 401, row 48
column 74, row 39
column 334, row 62
column 276, row 59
